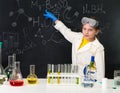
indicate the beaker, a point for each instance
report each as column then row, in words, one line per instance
column 16, row 76
column 32, row 77
column 117, row 78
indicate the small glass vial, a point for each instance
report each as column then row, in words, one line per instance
column 32, row 77
column 9, row 68
column 16, row 76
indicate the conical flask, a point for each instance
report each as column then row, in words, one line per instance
column 32, row 77
column 3, row 77
column 9, row 68
column 16, row 76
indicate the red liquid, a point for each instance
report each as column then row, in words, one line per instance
column 16, row 82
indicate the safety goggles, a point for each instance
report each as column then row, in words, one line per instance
column 90, row 21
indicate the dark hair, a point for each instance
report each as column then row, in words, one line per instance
column 97, row 27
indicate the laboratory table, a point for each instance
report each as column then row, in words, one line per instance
column 43, row 87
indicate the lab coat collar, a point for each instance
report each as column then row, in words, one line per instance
column 90, row 45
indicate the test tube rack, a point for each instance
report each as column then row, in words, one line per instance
column 63, row 74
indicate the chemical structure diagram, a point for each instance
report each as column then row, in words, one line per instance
column 16, row 15
column 19, row 12
column 45, row 24
column 39, row 25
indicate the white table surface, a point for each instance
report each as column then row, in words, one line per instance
column 42, row 87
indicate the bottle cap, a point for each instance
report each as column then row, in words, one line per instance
column 1, row 44
column 92, row 58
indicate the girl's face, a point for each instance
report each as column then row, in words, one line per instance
column 89, row 32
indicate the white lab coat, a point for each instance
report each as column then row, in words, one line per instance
column 83, row 55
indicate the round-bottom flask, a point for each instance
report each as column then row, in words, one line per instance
column 32, row 77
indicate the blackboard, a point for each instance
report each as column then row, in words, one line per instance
column 25, row 31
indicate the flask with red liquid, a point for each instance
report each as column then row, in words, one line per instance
column 16, row 76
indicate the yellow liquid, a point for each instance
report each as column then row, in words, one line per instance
column 49, row 79
column 77, row 80
column 58, row 80
column 32, row 80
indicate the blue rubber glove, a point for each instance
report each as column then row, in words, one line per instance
column 50, row 15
